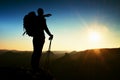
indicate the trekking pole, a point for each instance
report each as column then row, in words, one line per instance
column 49, row 46
column 47, row 61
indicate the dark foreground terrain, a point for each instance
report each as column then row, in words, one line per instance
column 94, row 64
column 9, row 73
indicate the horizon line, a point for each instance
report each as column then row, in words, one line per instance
column 59, row 50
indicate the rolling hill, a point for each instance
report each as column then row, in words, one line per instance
column 93, row 64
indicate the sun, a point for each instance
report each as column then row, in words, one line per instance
column 94, row 36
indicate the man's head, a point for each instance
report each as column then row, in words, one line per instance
column 40, row 11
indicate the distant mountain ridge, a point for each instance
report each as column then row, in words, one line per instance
column 5, row 50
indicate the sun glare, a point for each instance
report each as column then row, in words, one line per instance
column 94, row 36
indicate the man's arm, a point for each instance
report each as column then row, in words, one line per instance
column 48, row 32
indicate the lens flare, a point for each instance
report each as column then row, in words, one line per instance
column 94, row 36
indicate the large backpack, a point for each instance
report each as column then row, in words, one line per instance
column 29, row 24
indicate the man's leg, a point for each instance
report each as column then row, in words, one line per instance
column 38, row 46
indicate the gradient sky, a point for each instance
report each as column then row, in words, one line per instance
column 70, row 23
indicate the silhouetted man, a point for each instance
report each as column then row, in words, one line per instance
column 39, row 38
